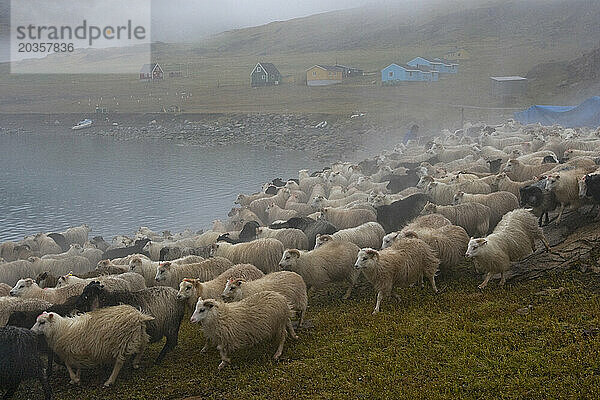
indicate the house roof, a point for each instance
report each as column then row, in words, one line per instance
column 435, row 61
column 270, row 68
column 508, row 78
column 411, row 68
column 148, row 68
column 445, row 61
column 326, row 67
column 346, row 67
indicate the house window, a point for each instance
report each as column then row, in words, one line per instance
column 391, row 73
column 258, row 69
column 314, row 73
column 409, row 73
column 262, row 77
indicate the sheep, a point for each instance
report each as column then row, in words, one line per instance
column 76, row 265
column 473, row 217
column 369, row 234
column 136, row 248
column 9, row 304
column 74, row 250
column 309, row 226
column 573, row 153
column 192, row 289
column 543, row 201
column 328, row 263
column 171, row 252
column 397, row 214
column 111, row 282
column 499, row 203
column 517, row 171
column 565, row 187
column 12, row 271
column 78, row 234
column 46, row 280
column 98, row 337
column 263, row 253
column 291, row 238
column 4, row 289
column 443, row 193
column 98, row 242
column 276, row 213
column 503, row 183
column 348, row 218
column 247, row 234
column 448, row 243
column 287, row 283
column 319, row 202
column 259, row 206
column 513, row 239
column 406, row 264
column 430, row 221
column 7, row 251
column 27, row 288
column 42, row 244
column 168, row 274
column 20, row 360
column 233, row 326
column 159, row 302
column 300, row 208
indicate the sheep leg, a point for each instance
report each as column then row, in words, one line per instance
column 486, row 280
column 45, row 385
column 301, row 318
column 353, row 278
column 224, row 359
column 379, row 297
column 432, row 281
column 502, row 278
column 546, row 244
column 115, row 372
column 421, row 281
column 282, row 337
column 290, row 329
column 74, row 377
column 138, row 356
column 169, row 345
column 562, row 208
column 396, row 296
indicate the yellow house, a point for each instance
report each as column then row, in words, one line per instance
column 322, row 75
column 458, row 54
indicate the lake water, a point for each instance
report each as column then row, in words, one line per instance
column 50, row 182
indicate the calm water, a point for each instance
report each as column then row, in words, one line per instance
column 48, row 183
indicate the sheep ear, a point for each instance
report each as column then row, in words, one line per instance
column 239, row 282
column 209, row 304
column 28, row 281
column 50, row 316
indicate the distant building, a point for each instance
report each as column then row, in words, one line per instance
column 265, row 74
column 323, row 75
column 457, row 54
column 507, row 87
column 151, row 72
column 396, row 73
column 349, row 72
column 443, row 66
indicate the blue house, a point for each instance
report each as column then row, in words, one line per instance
column 395, row 73
column 436, row 64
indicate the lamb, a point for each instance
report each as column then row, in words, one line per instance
column 565, row 187
column 328, row 263
column 369, row 234
column 449, row 243
column 111, row 282
column 192, row 289
column 289, row 284
column 309, row 226
column 473, row 217
column 406, row 264
column 98, row 337
column 291, row 238
column 276, row 213
column 517, row 171
column 160, row 302
column 78, row 234
column 499, row 203
column 233, row 326
column 20, row 360
column 348, row 218
column 543, row 201
column 9, row 304
column 168, row 274
column 513, row 239
column 263, row 253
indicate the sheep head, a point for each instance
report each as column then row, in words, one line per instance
column 475, row 246
column 366, row 258
column 289, row 259
column 203, row 309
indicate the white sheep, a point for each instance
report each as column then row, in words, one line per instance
column 4, row 289
column 9, row 304
column 369, row 234
column 473, row 217
column 287, row 283
column 27, row 288
column 263, row 253
column 448, row 243
column 565, row 186
column 243, row 324
column 348, row 218
column 192, row 289
column 12, row 271
column 145, row 268
column 331, row 262
column 111, row 282
column 513, row 239
column 499, row 203
column 407, row 263
column 290, row 238
column 78, row 234
column 169, row 274
column 275, row 213
column 520, row 172
column 74, row 250
column 98, row 337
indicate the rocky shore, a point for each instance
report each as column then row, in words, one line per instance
column 325, row 137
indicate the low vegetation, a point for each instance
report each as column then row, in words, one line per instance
column 462, row 342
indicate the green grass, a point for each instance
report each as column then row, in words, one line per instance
column 461, row 343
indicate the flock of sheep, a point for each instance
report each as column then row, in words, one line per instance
column 411, row 213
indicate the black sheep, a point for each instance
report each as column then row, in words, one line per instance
column 60, row 240
column 309, row 226
column 592, row 183
column 100, row 243
column 159, row 302
column 394, row 216
column 272, row 189
column 20, row 360
column 495, row 165
column 247, row 234
column 398, row 183
column 543, row 201
column 126, row 251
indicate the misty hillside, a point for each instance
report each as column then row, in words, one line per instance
column 539, row 21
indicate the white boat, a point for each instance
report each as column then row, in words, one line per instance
column 86, row 123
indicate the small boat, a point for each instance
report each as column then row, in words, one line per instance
column 86, row 123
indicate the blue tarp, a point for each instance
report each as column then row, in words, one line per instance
column 585, row 114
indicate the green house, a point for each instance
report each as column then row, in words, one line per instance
column 265, row 74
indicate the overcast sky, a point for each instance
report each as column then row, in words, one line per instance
column 184, row 20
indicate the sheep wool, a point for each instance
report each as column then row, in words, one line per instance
column 262, row 253
column 473, row 217
column 169, row 274
column 369, row 234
